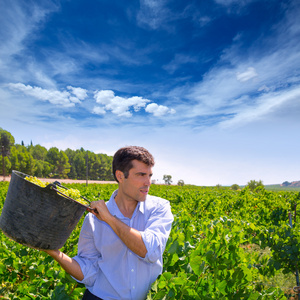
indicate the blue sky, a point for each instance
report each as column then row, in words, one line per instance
column 211, row 88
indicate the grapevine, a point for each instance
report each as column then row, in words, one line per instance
column 224, row 244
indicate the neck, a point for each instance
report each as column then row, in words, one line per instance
column 126, row 206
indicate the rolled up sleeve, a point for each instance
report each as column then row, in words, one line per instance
column 89, row 269
column 157, row 231
column 88, row 256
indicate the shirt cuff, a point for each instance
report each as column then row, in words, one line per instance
column 152, row 245
column 89, row 270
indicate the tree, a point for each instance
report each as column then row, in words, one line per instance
column 59, row 162
column 6, row 141
column 52, row 158
column 5, row 166
column 253, row 184
column 235, row 187
column 22, row 160
column 42, row 168
column 167, row 179
column 62, row 165
column 40, row 162
column 180, row 182
column 79, row 163
column 38, row 152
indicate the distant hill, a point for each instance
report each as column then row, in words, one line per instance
column 291, row 184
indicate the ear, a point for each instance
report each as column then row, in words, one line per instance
column 120, row 175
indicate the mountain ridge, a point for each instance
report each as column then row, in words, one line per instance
column 291, row 184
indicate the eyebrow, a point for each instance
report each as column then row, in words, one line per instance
column 143, row 173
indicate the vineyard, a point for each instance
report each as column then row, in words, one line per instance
column 224, row 244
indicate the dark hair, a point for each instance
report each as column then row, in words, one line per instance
column 123, row 159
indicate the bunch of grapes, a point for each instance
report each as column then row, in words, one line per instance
column 72, row 193
column 36, row 181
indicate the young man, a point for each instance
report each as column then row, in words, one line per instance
column 122, row 241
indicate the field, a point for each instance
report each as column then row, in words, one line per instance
column 224, row 244
column 278, row 187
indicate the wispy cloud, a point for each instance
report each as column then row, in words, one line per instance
column 251, row 83
column 26, row 19
column 247, row 75
column 178, row 61
column 235, row 6
column 122, row 70
column 265, row 105
column 159, row 15
column 20, row 23
column 152, row 13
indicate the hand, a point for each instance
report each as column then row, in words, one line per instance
column 100, row 210
column 70, row 265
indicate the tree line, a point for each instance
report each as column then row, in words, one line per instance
column 36, row 160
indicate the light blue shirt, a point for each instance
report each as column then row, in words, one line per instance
column 110, row 269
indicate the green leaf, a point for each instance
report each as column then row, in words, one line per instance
column 174, row 247
column 221, row 287
column 197, row 265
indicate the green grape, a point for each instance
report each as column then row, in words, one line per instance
column 72, row 193
column 36, row 181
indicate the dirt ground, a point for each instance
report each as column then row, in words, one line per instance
column 7, row 178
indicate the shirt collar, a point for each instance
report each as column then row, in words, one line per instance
column 142, row 207
column 114, row 209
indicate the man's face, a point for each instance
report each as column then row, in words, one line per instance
column 136, row 185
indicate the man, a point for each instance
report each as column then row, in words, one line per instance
column 122, row 241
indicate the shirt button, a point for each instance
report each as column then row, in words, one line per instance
column 133, row 287
column 132, row 270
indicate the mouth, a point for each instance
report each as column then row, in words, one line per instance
column 144, row 191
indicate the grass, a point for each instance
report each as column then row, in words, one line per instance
column 285, row 282
column 278, row 187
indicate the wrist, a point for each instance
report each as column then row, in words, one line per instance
column 54, row 253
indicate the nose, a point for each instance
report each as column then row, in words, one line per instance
column 148, row 181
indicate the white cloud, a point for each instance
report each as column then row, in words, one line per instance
column 104, row 97
column 74, row 99
column 118, row 105
column 159, row 110
column 247, row 75
column 53, row 96
column 107, row 100
column 80, row 93
column 99, row 110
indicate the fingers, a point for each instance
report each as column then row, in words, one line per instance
column 92, row 210
column 96, row 207
column 96, row 204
